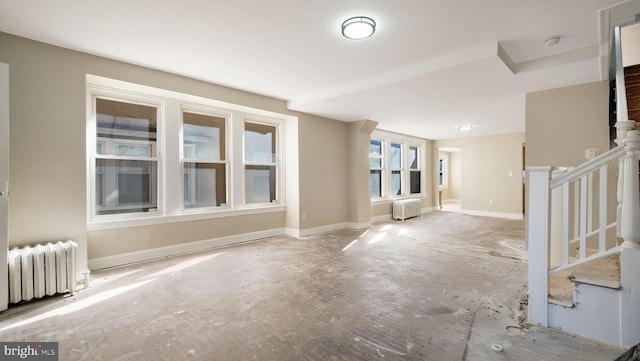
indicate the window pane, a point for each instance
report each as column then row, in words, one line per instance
column 204, row 185
column 396, row 182
column 375, row 183
column 203, row 136
column 124, row 186
column 134, row 150
column 260, row 184
column 259, row 143
column 413, row 157
column 134, row 182
column 415, row 182
column 124, row 127
column 396, row 155
column 375, row 148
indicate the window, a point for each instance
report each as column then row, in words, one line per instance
column 260, row 163
column 415, row 174
column 204, row 160
column 375, row 174
column 157, row 156
column 126, row 162
column 443, row 171
column 396, row 164
column 396, row 169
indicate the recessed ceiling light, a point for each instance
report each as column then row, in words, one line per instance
column 359, row 27
column 465, row 127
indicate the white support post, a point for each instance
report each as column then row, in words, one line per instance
column 538, row 239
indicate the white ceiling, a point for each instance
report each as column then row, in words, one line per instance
column 432, row 64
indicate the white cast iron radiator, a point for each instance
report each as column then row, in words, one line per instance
column 406, row 208
column 42, row 270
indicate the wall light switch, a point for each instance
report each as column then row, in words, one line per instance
column 591, row 153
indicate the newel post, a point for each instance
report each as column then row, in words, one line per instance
column 630, row 254
column 622, row 128
column 538, row 211
column 630, row 220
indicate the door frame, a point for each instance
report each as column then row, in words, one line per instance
column 4, row 185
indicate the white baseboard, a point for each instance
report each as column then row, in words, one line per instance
column 174, row 250
column 518, row 216
column 298, row 233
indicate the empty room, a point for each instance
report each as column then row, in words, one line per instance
column 286, row 180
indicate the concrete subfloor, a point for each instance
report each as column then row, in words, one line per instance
column 445, row 286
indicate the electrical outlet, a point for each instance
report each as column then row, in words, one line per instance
column 490, row 201
column 303, row 217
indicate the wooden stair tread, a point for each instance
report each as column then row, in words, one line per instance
column 604, row 272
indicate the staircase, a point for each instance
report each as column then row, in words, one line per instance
column 583, row 233
column 584, row 255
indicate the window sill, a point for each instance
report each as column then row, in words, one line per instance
column 390, row 200
column 151, row 220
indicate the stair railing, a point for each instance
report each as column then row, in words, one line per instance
column 565, row 209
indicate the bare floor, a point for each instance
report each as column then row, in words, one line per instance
column 445, row 286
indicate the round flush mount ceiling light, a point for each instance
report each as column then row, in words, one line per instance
column 464, row 127
column 359, row 27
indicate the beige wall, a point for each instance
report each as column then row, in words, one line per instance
column 455, row 176
column 323, row 172
column 562, row 123
column 48, row 160
column 492, row 173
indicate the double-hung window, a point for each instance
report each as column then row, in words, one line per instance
column 397, row 171
column 443, row 171
column 260, row 162
column 376, row 168
column 204, row 160
column 415, row 174
column 156, row 156
column 126, row 161
column 396, row 164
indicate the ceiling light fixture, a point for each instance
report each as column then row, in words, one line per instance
column 465, row 127
column 359, row 27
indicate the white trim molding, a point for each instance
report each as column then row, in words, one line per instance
column 179, row 249
column 516, row 216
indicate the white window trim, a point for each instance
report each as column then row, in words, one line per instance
column 209, row 111
column 170, row 207
column 278, row 162
column 407, row 141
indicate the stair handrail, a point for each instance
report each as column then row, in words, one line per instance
column 588, row 167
